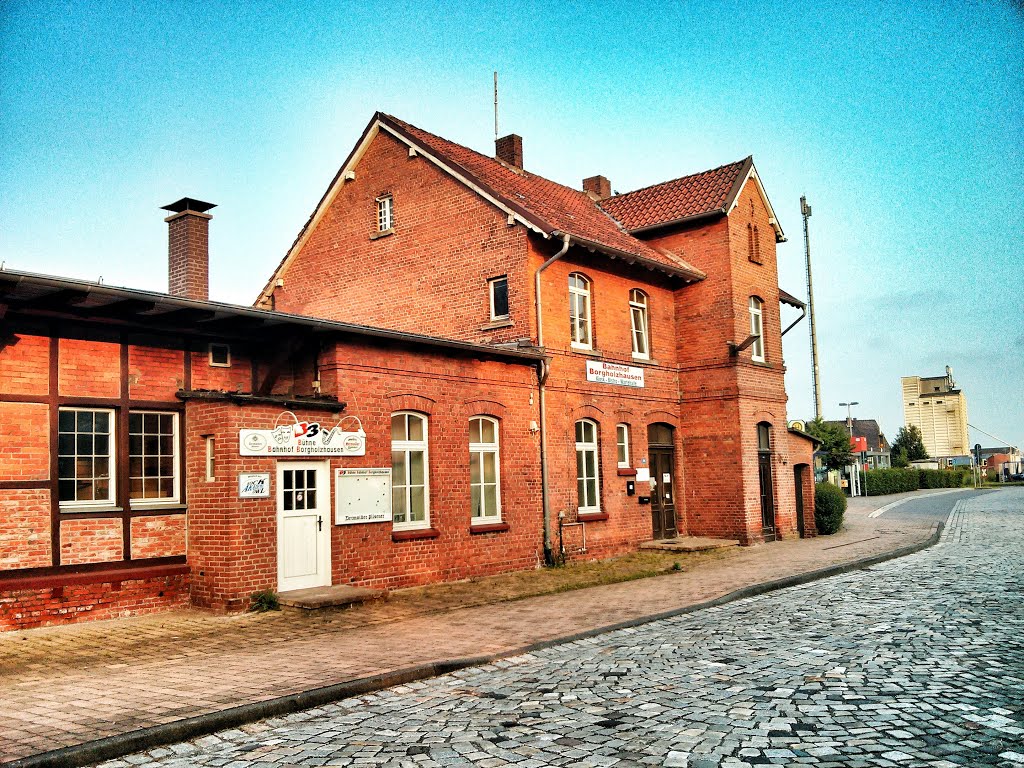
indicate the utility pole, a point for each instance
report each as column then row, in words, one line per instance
column 805, row 210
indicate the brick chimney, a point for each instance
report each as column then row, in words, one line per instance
column 188, row 248
column 597, row 187
column 510, row 149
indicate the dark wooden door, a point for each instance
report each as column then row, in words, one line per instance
column 663, row 493
column 798, row 478
column 764, row 468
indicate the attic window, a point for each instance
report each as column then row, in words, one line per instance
column 220, row 355
column 385, row 210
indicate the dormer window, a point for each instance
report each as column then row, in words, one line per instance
column 385, row 213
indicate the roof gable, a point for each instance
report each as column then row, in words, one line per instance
column 688, row 198
column 548, row 208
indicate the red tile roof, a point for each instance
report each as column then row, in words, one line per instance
column 687, row 197
column 551, row 206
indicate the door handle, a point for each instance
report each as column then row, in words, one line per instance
column 319, row 523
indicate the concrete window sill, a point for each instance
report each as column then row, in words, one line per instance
column 478, row 528
column 379, row 235
column 415, row 535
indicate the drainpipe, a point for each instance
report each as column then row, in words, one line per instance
column 543, row 369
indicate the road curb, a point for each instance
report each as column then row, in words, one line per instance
column 112, row 747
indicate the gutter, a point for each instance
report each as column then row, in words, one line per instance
column 684, row 220
column 543, row 369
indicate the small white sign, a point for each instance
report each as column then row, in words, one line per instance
column 666, row 478
column 612, row 373
column 253, row 485
column 643, row 475
column 362, row 495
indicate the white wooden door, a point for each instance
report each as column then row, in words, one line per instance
column 303, row 525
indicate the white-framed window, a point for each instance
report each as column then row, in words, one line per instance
column 211, row 458
column 756, row 329
column 497, row 289
column 410, row 487
column 579, row 311
column 622, row 445
column 85, row 457
column 385, row 213
column 220, row 355
column 587, row 483
column 484, row 470
column 639, row 319
column 153, row 459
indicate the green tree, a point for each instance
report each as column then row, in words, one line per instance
column 909, row 444
column 898, row 458
column 835, row 439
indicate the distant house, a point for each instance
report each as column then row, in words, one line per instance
column 878, row 453
column 1002, row 461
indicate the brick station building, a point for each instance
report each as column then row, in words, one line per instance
column 459, row 368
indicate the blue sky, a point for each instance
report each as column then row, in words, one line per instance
column 902, row 123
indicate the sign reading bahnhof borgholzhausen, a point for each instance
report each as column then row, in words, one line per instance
column 302, row 438
column 611, row 373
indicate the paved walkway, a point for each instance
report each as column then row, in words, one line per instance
column 63, row 686
column 913, row 663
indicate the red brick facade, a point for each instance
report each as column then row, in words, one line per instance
column 132, row 549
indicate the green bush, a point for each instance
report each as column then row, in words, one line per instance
column 879, row 482
column 943, row 478
column 829, row 506
column 264, row 600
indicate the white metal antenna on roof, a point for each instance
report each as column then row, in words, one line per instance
column 495, row 105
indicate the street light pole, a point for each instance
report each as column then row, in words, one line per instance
column 855, row 470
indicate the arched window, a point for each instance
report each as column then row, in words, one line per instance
column 587, row 483
column 484, row 471
column 579, row 311
column 410, row 487
column 756, row 329
column 639, row 318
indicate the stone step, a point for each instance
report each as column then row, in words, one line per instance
column 689, row 544
column 336, row 596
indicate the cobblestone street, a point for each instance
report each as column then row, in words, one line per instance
column 915, row 662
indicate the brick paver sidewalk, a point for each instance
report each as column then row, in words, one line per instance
column 63, row 686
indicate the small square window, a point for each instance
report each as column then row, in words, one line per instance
column 498, row 288
column 220, row 355
column 385, row 213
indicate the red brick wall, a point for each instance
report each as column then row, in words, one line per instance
column 24, row 529
column 89, row 540
column 570, row 397
column 232, row 546
column 89, row 368
column 29, row 608
column 158, row 536
column 431, row 275
column 24, row 441
column 24, row 366
column 154, row 373
column 236, row 378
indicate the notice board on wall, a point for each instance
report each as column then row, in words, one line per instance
column 362, row 495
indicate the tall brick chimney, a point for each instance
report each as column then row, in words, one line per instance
column 510, row 149
column 188, row 248
column 597, row 187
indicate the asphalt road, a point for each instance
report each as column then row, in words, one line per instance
column 930, row 507
column 914, row 662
